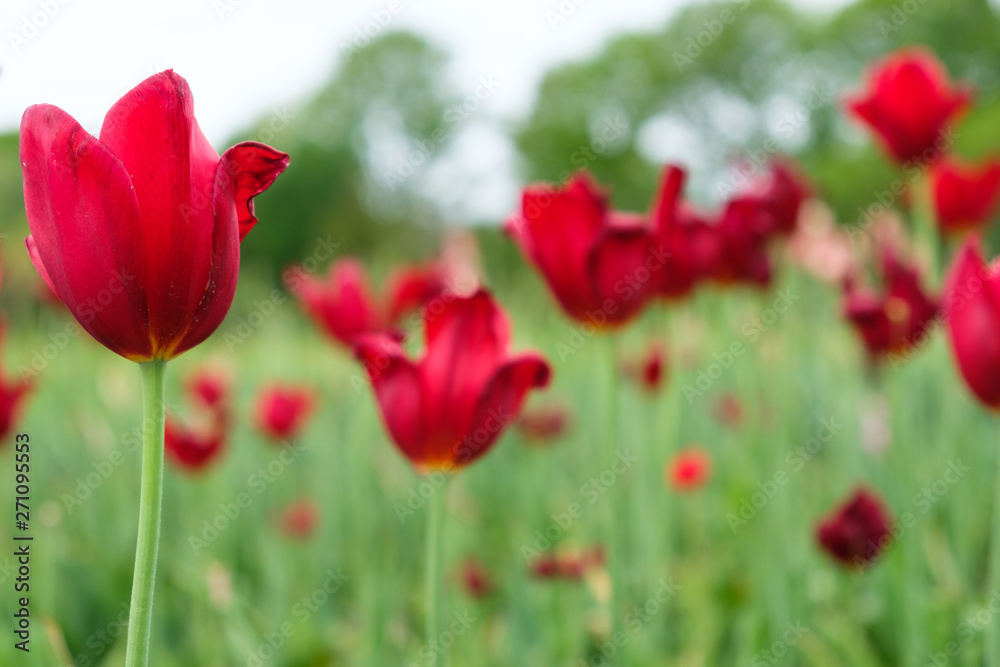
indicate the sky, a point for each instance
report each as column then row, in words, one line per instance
column 248, row 59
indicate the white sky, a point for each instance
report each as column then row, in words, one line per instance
column 244, row 58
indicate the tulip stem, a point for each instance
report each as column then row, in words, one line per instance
column 925, row 221
column 432, row 580
column 616, row 554
column 150, row 502
column 992, row 639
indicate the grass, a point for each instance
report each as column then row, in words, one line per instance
column 251, row 596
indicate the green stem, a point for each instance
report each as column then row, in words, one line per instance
column 150, row 501
column 616, row 554
column 925, row 222
column 432, row 579
column 992, row 640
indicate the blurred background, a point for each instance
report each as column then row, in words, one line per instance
column 409, row 120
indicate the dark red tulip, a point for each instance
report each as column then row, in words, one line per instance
column 858, row 532
column 690, row 241
column 602, row 266
column 972, row 311
column 909, row 104
column 447, row 409
column 300, row 518
column 648, row 370
column 742, row 256
column 476, row 580
column 689, row 469
column 138, row 231
column 569, row 565
column 894, row 320
column 965, row 196
column 777, row 195
column 344, row 306
column 190, row 448
column 282, row 411
column 543, row 424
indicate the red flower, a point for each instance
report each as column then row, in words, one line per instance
column 648, row 371
column 972, row 311
column 447, row 409
column 210, row 388
column 965, row 196
column 283, row 410
column 857, row 532
column 777, row 196
column 344, row 307
column 599, row 264
column 567, row 564
column 190, row 448
column 893, row 321
column 476, row 580
column 299, row 519
column 543, row 424
column 742, row 255
column 689, row 469
column 138, row 232
column 909, row 104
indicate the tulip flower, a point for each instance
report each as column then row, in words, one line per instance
column 299, row 519
column 909, row 105
column 344, row 307
column 895, row 320
column 778, row 196
column 570, row 564
column 448, row 409
column 137, row 232
column 691, row 241
column 965, row 196
column 858, row 532
column 599, row 264
column 210, row 388
column 282, row 411
column 689, row 469
column 192, row 449
column 12, row 396
column 475, row 579
column 972, row 312
column 544, row 424
column 648, row 370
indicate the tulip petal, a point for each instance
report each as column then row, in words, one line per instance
column 77, row 196
column 972, row 311
column 397, row 385
column 253, row 167
column 624, row 266
column 153, row 132
column 500, row 403
column 465, row 342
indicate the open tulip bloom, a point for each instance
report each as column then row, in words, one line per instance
column 138, row 232
column 449, row 408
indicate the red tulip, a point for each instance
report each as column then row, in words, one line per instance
column 648, row 370
column 210, row 388
column 344, row 306
column 283, row 410
column 689, row 469
column 742, row 244
column 543, row 425
column 476, row 580
column 858, row 532
column 138, row 231
column 447, row 409
column 599, row 264
column 299, row 519
column 567, row 564
column 909, row 104
column 895, row 320
column 965, row 196
column 190, row 448
column 778, row 196
column 972, row 311
column 690, row 241
column 12, row 395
